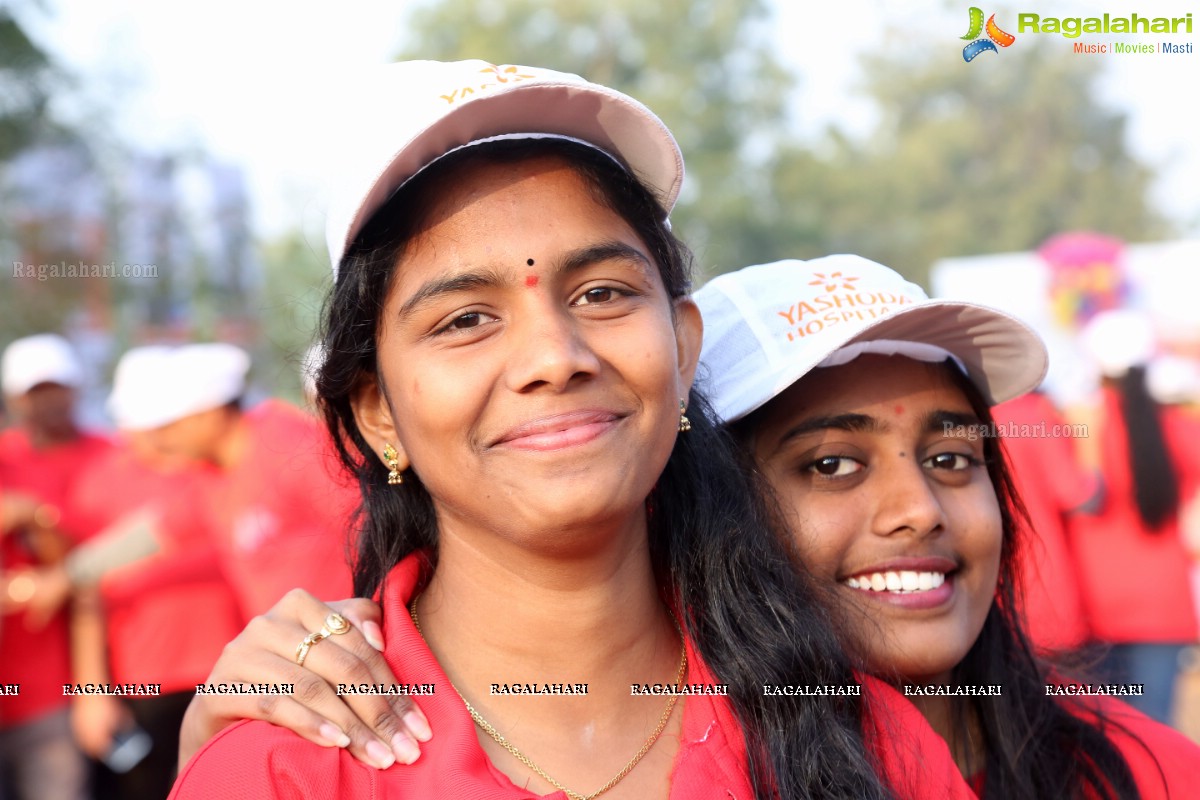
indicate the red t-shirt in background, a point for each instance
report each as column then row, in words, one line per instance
column 1163, row 761
column 1051, row 482
column 167, row 616
column 38, row 660
column 255, row 759
column 1135, row 582
column 283, row 512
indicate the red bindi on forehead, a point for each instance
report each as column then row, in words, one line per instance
column 899, row 409
column 531, row 281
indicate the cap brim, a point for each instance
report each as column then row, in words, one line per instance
column 604, row 118
column 1003, row 356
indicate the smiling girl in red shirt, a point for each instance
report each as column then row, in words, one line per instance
column 872, row 426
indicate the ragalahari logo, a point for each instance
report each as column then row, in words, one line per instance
column 995, row 36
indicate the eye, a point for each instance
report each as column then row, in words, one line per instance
column 951, row 461
column 835, row 466
column 599, row 294
column 464, row 322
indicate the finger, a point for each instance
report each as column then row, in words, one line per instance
column 395, row 718
column 364, row 615
column 354, row 671
column 266, row 651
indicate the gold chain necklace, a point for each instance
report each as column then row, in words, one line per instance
column 524, row 759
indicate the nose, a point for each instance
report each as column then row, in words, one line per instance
column 905, row 502
column 549, row 350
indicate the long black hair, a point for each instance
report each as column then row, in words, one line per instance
column 1037, row 746
column 1155, row 484
column 746, row 608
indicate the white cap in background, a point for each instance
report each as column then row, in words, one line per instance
column 155, row 386
column 407, row 115
column 767, row 326
column 1118, row 340
column 44, row 358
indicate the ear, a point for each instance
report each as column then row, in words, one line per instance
column 373, row 414
column 689, row 335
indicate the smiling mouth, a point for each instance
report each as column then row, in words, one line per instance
column 897, row 582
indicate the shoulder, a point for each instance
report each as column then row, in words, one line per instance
column 256, row 759
column 1161, row 758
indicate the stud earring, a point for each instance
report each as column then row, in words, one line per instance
column 393, row 463
column 685, row 424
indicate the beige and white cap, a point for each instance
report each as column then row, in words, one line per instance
column 767, row 326
column 412, row 113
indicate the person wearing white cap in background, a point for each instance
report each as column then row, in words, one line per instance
column 41, row 455
column 279, row 510
column 866, row 407
column 510, row 349
column 1133, row 561
column 151, row 559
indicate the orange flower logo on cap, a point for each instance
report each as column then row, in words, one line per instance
column 831, row 282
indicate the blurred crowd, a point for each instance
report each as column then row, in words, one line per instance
column 129, row 558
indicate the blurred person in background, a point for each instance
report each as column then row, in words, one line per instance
column 280, row 505
column 1133, row 563
column 125, row 626
column 1052, row 483
column 41, row 455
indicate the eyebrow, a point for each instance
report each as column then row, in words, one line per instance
column 490, row 278
column 934, row 422
column 938, row 421
column 852, row 423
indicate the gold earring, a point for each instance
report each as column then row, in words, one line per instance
column 685, row 424
column 393, row 462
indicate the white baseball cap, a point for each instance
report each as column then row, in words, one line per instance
column 1117, row 340
column 409, row 114
column 155, row 386
column 44, row 358
column 767, row 326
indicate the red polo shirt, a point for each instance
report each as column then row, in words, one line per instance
column 38, row 658
column 255, row 759
column 283, row 511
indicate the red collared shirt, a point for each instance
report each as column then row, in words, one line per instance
column 255, row 759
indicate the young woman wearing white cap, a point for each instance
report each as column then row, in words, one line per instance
column 866, row 407
column 510, row 347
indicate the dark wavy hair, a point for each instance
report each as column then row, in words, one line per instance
column 744, row 605
column 1037, row 746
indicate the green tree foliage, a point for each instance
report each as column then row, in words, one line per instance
column 297, row 278
column 705, row 66
column 991, row 156
column 26, row 81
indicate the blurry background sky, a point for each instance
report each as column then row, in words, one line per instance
column 187, row 135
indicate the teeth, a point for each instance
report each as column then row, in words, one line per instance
column 902, row 582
